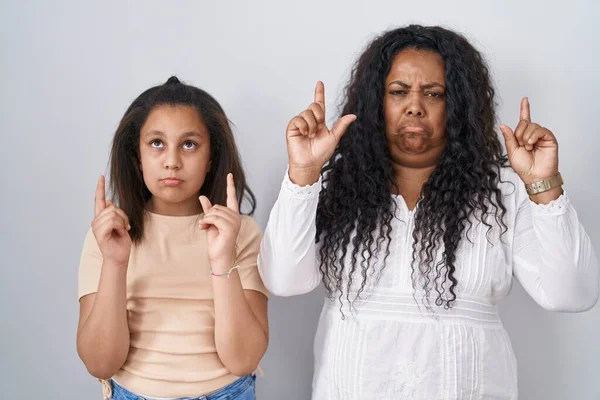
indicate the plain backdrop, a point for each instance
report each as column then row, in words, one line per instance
column 70, row 69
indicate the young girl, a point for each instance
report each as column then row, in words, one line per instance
column 171, row 302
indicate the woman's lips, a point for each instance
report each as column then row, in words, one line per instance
column 412, row 129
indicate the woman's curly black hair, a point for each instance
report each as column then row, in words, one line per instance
column 356, row 206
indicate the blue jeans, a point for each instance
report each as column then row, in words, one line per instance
column 242, row 389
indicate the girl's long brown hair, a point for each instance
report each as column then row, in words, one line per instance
column 126, row 182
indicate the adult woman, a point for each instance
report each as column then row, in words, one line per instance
column 420, row 225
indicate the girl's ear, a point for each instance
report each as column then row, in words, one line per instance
column 209, row 166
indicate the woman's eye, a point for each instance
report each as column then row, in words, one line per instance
column 398, row 92
column 436, row 95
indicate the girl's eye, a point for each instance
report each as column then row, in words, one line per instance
column 157, row 144
column 189, row 145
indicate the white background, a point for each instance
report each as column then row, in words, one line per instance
column 70, row 69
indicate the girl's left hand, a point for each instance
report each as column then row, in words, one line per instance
column 532, row 149
column 222, row 225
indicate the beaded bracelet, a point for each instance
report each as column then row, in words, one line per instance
column 225, row 273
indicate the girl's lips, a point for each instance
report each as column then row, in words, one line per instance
column 172, row 181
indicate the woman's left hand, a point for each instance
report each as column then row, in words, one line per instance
column 222, row 225
column 532, row 149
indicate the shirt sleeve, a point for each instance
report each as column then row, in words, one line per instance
column 288, row 256
column 553, row 257
column 90, row 266
column 248, row 245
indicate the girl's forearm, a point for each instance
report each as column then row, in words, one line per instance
column 240, row 338
column 103, row 340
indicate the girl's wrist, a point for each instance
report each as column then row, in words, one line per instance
column 220, row 266
column 224, row 274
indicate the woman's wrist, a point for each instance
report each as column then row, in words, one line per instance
column 547, row 196
column 304, row 176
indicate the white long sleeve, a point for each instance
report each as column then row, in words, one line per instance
column 288, row 256
column 553, row 256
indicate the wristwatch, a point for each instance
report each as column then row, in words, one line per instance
column 544, row 185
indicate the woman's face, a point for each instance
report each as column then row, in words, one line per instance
column 414, row 108
column 174, row 158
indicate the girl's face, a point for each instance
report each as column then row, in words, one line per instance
column 174, row 158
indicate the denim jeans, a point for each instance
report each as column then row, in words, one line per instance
column 241, row 389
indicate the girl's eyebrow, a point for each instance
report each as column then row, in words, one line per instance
column 154, row 133
column 184, row 135
column 191, row 134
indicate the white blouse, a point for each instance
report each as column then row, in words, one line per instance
column 390, row 346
